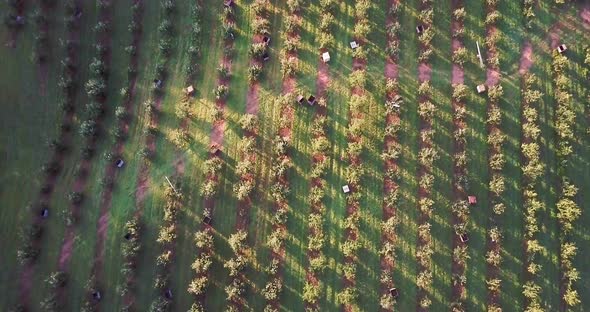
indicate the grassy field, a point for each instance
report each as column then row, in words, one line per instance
column 26, row 132
column 443, row 125
column 32, row 117
column 406, row 269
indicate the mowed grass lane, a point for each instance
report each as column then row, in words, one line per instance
column 405, row 269
column 442, row 123
column 59, row 204
column 337, row 121
column 296, row 260
column 512, row 222
column 371, row 207
column 30, row 120
column 226, row 203
column 549, row 190
column 477, row 155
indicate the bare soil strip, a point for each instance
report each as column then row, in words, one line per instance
column 526, row 58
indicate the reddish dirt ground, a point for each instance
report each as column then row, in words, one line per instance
column 554, row 36
column 323, row 79
column 493, row 77
column 66, row 248
column 585, row 15
column 286, row 131
column 252, row 103
column 358, row 64
column 457, row 75
column 526, row 58
column 289, row 85
column 492, row 74
column 456, row 43
column 179, row 161
column 179, row 166
column 424, row 72
column 391, row 70
column 217, row 130
column 103, row 225
column 142, row 188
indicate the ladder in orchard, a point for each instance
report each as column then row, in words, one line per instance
column 479, row 55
